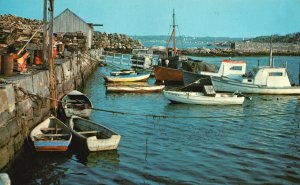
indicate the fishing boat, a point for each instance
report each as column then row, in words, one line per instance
column 167, row 74
column 94, row 136
column 127, row 78
column 197, row 79
column 51, row 135
column 203, row 98
column 76, row 103
column 122, row 72
column 134, row 88
column 260, row 80
column 168, row 69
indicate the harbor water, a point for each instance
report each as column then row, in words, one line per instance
column 256, row 143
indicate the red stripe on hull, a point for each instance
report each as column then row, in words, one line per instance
column 52, row 148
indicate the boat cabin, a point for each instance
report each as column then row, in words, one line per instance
column 268, row 76
column 232, row 67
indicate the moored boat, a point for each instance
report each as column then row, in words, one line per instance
column 76, row 103
column 202, row 99
column 122, row 72
column 92, row 135
column 51, row 135
column 134, row 88
column 128, row 78
column 260, row 80
column 168, row 74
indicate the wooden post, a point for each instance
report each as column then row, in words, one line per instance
column 53, row 91
column 45, row 35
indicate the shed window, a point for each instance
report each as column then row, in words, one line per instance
column 275, row 74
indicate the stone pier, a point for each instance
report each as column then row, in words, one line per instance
column 20, row 111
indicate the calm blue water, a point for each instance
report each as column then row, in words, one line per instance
column 257, row 143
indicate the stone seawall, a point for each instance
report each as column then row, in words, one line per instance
column 20, row 112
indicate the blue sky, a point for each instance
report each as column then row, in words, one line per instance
column 216, row 18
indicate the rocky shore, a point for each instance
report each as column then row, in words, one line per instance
column 228, row 52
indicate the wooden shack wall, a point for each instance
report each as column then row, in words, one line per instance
column 70, row 22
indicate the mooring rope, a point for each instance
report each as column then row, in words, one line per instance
column 171, row 116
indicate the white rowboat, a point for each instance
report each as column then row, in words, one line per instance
column 128, row 78
column 94, row 136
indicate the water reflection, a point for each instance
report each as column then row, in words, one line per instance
column 108, row 160
column 39, row 168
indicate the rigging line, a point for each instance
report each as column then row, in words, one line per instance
column 180, row 36
column 193, row 117
column 167, row 116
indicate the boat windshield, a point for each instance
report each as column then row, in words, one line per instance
column 252, row 73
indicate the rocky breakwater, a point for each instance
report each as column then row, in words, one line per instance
column 245, row 49
column 115, row 42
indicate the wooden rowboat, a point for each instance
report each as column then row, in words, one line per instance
column 76, row 103
column 51, row 135
column 134, row 88
column 94, row 136
column 122, row 72
column 128, row 78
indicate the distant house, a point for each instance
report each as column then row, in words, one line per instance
column 68, row 21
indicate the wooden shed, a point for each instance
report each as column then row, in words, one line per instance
column 68, row 21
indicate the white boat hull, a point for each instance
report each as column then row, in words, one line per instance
column 96, row 137
column 127, row 78
column 229, row 85
column 201, row 99
column 134, row 88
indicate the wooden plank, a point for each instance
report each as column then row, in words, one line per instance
column 88, row 132
column 52, row 135
column 50, row 129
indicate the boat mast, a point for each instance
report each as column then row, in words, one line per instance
column 174, row 38
column 271, row 56
column 174, row 35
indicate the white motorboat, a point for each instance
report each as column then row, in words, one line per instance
column 204, row 98
column 260, row 80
